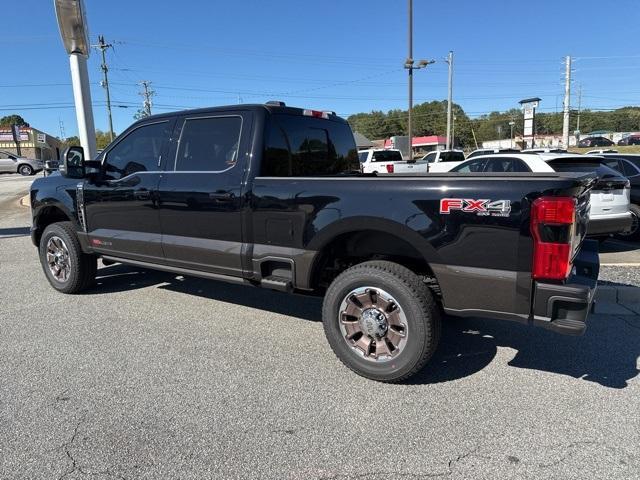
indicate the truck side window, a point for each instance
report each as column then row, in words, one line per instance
column 139, row 151
column 209, row 144
column 300, row 146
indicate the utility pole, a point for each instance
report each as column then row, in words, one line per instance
column 409, row 65
column 579, row 108
column 567, row 101
column 103, row 46
column 449, row 100
column 147, row 94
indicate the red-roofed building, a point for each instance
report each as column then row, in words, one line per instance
column 420, row 144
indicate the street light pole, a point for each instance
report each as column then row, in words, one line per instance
column 449, row 100
column 73, row 30
column 409, row 65
column 410, row 59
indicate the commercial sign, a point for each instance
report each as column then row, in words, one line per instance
column 6, row 135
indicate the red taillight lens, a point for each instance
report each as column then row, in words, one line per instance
column 389, row 167
column 552, row 229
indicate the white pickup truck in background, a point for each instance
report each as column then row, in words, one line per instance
column 379, row 160
column 443, row 160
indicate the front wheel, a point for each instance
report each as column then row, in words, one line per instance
column 67, row 268
column 25, row 170
column 381, row 321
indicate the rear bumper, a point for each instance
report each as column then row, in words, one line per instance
column 609, row 224
column 564, row 308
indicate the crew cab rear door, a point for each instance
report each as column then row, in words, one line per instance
column 200, row 197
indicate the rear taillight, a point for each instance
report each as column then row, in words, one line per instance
column 553, row 229
column 389, row 167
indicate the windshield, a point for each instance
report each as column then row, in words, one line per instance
column 387, row 156
column 584, row 164
column 363, row 156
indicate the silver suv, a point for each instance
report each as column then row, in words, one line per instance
column 10, row 162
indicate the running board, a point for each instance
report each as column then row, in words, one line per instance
column 180, row 271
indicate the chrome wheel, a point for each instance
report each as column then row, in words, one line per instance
column 373, row 324
column 58, row 259
column 25, row 170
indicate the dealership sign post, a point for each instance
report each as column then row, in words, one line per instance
column 529, row 106
column 73, row 29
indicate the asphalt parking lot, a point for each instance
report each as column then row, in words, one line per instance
column 152, row 375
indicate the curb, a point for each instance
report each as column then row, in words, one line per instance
column 617, row 300
column 25, row 201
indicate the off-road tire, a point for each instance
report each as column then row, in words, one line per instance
column 416, row 301
column 83, row 267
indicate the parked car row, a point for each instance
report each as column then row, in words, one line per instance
column 615, row 198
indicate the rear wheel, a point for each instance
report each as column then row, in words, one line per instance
column 381, row 321
column 634, row 231
column 67, row 268
column 25, row 170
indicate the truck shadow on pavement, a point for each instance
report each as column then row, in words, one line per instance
column 118, row 278
column 607, row 354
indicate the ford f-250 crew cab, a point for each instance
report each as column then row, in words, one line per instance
column 272, row 196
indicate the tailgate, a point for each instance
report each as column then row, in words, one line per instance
column 610, row 197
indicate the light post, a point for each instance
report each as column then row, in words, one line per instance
column 409, row 65
column 73, row 30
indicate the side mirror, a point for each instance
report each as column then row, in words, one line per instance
column 73, row 163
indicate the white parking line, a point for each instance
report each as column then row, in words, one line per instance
column 620, row 264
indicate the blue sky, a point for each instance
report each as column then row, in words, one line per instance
column 345, row 56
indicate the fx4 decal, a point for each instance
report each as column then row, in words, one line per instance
column 482, row 207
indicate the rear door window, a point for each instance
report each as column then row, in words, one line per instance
column 473, row 166
column 506, row 165
column 209, row 144
column 452, row 157
column 387, row 156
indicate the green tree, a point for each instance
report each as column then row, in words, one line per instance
column 103, row 139
column 13, row 119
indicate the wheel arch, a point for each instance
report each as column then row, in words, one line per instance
column 367, row 238
column 45, row 216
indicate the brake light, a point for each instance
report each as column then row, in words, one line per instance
column 553, row 229
column 389, row 167
column 316, row 113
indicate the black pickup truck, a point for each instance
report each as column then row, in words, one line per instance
column 273, row 196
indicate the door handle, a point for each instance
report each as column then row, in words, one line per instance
column 221, row 196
